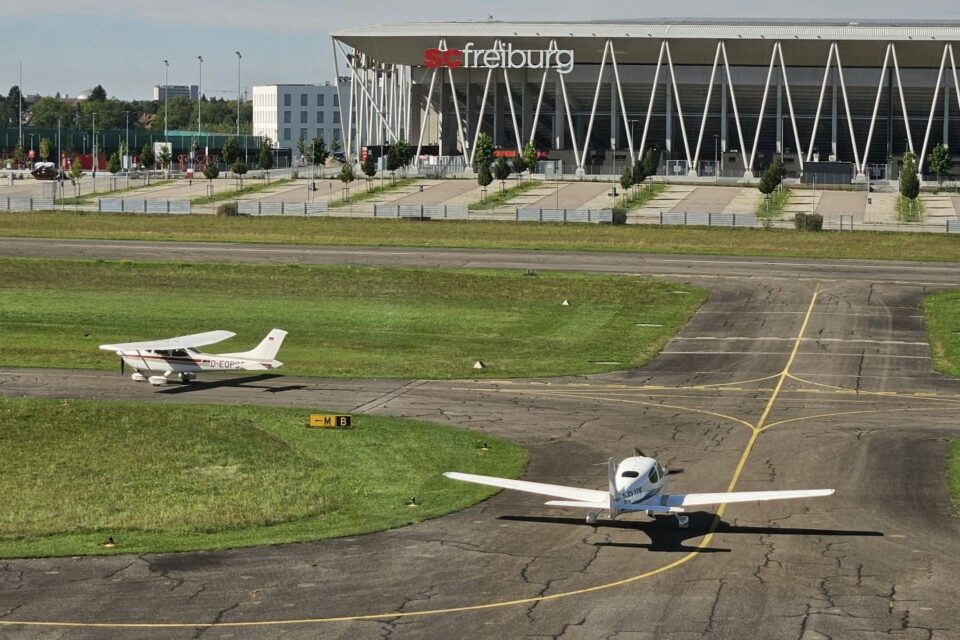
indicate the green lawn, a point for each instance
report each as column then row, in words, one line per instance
column 641, row 195
column 772, row 206
column 232, row 194
column 373, row 192
column 942, row 311
column 208, row 477
column 953, row 473
column 483, row 234
column 496, row 198
column 343, row 321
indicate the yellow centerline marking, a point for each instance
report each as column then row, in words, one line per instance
column 755, row 431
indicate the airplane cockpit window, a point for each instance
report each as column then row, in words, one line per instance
column 162, row 352
column 179, row 352
column 654, row 477
column 630, row 474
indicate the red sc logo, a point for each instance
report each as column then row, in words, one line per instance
column 435, row 58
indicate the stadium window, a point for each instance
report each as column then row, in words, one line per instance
column 303, row 99
column 319, row 99
column 286, row 133
column 336, row 100
column 303, row 133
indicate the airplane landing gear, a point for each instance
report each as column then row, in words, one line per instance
column 683, row 521
column 138, row 377
column 592, row 517
column 187, row 377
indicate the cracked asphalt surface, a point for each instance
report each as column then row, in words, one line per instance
column 795, row 374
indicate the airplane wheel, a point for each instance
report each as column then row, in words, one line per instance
column 592, row 518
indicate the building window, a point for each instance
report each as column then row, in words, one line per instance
column 286, row 99
column 336, row 117
column 336, row 134
column 319, row 117
column 303, row 117
column 286, row 117
column 319, row 99
column 303, row 99
column 286, row 133
column 303, row 133
column 336, row 100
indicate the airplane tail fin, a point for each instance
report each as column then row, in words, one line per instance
column 268, row 347
column 612, row 485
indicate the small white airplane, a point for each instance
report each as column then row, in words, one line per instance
column 636, row 484
column 180, row 356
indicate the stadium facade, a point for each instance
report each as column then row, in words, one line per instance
column 712, row 97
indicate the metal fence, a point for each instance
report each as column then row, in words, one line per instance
column 709, row 219
column 423, row 212
column 953, row 226
column 258, row 208
column 13, row 203
column 565, row 215
column 125, row 205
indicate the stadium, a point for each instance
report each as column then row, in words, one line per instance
column 713, row 98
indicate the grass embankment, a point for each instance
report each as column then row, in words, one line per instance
column 639, row 197
column 502, row 197
column 210, row 477
column 871, row 245
column 772, row 206
column 909, row 210
column 942, row 316
column 373, row 192
column 85, row 198
column 343, row 322
column 233, row 194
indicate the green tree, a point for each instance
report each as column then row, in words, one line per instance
column 772, row 177
column 501, row 171
column 346, row 177
column 404, row 153
column 17, row 155
column 940, row 163
column 519, row 165
column 626, row 178
column 113, row 162
column 211, row 171
column 650, row 161
column 240, row 168
column 230, row 151
column 483, row 154
column 99, row 94
column 369, row 166
column 164, row 159
column 76, row 171
column 909, row 180
column 529, row 157
column 394, row 161
column 45, row 145
column 315, row 152
column 484, row 177
column 147, row 158
column 265, row 159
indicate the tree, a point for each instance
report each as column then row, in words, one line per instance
column 164, row 159
column 404, row 153
column 315, row 152
column 501, row 170
column 483, row 154
column 772, row 177
column 240, row 168
column 265, row 159
column 99, row 94
column 940, row 163
column 393, row 159
column 211, row 171
column 650, row 161
column 45, row 148
column 147, row 158
column 17, row 155
column 230, row 151
column 76, row 171
column 484, row 177
column 346, row 176
column 626, row 178
column 113, row 163
column 529, row 157
column 909, row 181
column 519, row 165
column 369, row 166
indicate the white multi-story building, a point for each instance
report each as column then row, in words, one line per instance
column 163, row 91
column 287, row 113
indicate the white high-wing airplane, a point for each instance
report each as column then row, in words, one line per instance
column 636, row 484
column 180, row 356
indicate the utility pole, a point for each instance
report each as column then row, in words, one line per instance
column 20, row 101
column 93, row 149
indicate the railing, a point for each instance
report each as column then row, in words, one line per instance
column 708, row 219
column 565, row 215
column 303, row 209
column 12, row 203
column 422, row 212
column 124, row 205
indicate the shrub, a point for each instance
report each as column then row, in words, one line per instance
column 227, row 209
column 808, row 222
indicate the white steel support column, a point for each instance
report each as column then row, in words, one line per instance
column 456, row 108
column 736, row 112
column 823, row 91
column 933, row 108
column 846, row 107
column 956, row 83
column 426, row 112
column 593, row 110
column 573, row 132
column 543, row 86
column 876, row 107
column 653, row 95
column 763, row 107
column 706, row 106
column 683, row 127
column 793, row 118
column 779, row 142
column 336, row 66
column 370, row 98
column 623, row 106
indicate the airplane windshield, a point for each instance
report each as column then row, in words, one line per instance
column 653, row 475
column 630, row 474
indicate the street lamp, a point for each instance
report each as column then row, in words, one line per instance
column 199, row 90
column 126, row 147
column 166, row 90
column 93, row 150
column 239, row 57
column 716, row 155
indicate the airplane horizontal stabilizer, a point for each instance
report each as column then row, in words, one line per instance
column 554, row 490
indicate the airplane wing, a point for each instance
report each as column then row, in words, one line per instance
column 180, row 342
column 590, row 498
column 680, row 501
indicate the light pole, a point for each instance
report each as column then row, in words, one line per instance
column 716, row 156
column 199, row 91
column 166, row 90
column 93, row 150
column 59, row 166
column 126, row 147
column 239, row 57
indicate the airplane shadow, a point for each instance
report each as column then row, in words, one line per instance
column 175, row 387
column 665, row 536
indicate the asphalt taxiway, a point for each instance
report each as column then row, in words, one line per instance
column 795, row 374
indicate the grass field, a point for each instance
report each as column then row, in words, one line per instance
column 343, row 321
column 482, row 234
column 209, row 477
column 953, row 474
column 642, row 194
column 942, row 311
column 773, row 206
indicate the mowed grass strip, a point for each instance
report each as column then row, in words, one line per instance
column 210, row 477
column 871, row 245
column 343, row 321
column 953, row 474
column 942, row 311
